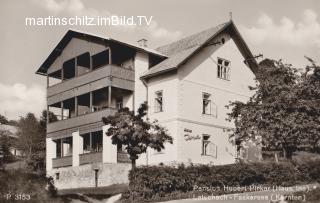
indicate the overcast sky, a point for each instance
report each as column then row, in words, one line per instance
column 287, row 29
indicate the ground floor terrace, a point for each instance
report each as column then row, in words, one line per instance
column 85, row 158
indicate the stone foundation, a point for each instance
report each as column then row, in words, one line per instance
column 90, row 175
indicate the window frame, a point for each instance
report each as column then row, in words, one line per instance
column 204, row 144
column 209, row 103
column 158, row 109
column 223, row 71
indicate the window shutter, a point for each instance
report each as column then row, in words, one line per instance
column 214, row 109
column 212, row 150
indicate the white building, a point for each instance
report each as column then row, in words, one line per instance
column 187, row 85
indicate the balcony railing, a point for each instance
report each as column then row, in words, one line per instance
column 123, row 157
column 62, row 161
column 95, row 75
column 88, row 118
column 93, row 157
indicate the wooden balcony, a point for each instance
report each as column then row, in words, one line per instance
column 123, row 157
column 88, row 118
column 93, row 157
column 107, row 75
column 62, row 161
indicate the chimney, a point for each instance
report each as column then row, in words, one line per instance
column 142, row 42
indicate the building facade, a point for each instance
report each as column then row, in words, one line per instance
column 187, row 85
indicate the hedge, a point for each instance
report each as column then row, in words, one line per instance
column 156, row 183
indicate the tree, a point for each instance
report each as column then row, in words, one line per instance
column 5, row 145
column 283, row 110
column 136, row 133
column 32, row 139
column 308, row 106
column 3, row 119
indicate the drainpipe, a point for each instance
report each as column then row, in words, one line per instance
column 146, row 85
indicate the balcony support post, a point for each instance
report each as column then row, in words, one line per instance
column 61, row 148
column 50, row 153
column 77, row 148
column 91, row 99
column 61, row 104
column 109, row 96
column 110, row 58
column 76, row 106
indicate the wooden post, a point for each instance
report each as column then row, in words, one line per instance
column 90, row 142
column 91, row 100
column 110, row 57
column 109, row 96
column 61, row 147
column 76, row 106
column 62, row 75
column 62, row 111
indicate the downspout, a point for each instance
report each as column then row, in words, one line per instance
column 146, row 85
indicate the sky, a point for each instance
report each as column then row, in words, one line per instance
column 278, row 29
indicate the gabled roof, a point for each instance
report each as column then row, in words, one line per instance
column 179, row 52
column 91, row 37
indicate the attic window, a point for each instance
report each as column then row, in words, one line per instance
column 100, row 59
column 223, row 69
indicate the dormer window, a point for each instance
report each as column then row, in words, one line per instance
column 223, row 69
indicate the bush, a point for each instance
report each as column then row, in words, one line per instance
column 154, row 183
column 27, row 185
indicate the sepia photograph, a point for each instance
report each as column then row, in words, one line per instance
column 158, row 101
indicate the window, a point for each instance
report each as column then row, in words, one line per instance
column 223, row 69
column 206, row 106
column 57, row 176
column 158, row 101
column 119, row 102
column 205, row 144
column 92, row 142
column 208, row 148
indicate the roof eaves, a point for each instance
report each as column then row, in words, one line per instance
column 205, row 43
column 157, row 73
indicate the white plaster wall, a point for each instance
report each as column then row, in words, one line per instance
column 141, row 63
column 191, row 150
column 168, row 84
column 128, row 101
column 202, row 68
column 197, row 76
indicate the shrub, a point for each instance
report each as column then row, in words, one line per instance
column 154, row 183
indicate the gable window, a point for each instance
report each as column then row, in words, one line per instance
column 223, row 69
column 205, row 144
column 158, row 101
column 206, row 103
